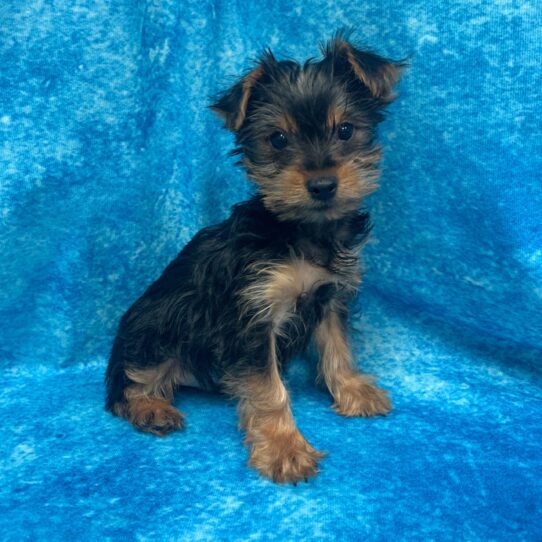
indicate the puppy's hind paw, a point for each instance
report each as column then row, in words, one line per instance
column 153, row 415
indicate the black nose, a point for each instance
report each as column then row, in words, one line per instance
column 322, row 188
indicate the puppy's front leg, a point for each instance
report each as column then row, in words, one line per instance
column 354, row 393
column 277, row 448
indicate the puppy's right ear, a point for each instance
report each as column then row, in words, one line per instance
column 376, row 74
column 232, row 105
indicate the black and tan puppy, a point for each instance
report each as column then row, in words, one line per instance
column 245, row 295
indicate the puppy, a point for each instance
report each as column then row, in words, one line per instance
column 246, row 295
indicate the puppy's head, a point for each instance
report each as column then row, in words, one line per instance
column 306, row 132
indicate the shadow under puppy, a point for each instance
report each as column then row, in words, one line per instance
column 245, row 295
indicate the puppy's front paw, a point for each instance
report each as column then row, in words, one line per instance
column 285, row 458
column 358, row 396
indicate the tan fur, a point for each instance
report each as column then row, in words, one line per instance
column 150, row 414
column 277, row 449
column 283, row 456
column 379, row 86
column 148, row 398
column 350, row 188
column 335, row 116
column 248, row 84
column 354, row 394
column 158, row 381
column 288, row 124
column 355, row 180
column 274, row 294
column 288, row 188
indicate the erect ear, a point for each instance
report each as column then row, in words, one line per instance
column 377, row 74
column 233, row 103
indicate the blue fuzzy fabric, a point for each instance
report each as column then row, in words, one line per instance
column 110, row 162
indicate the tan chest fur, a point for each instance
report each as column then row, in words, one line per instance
column 279, row 286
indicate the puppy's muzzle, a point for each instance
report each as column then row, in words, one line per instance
column 322, row 188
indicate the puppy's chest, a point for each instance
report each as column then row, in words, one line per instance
column 300, row 286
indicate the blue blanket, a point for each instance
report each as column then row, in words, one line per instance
column 110, row 161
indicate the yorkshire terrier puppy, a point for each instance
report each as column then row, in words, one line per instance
column 246, row 295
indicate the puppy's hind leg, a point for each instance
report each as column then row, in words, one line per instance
column 147, row 398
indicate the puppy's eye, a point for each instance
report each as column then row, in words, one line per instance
column 345, row 130
column 278, row 140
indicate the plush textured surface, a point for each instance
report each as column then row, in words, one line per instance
column 110, row 162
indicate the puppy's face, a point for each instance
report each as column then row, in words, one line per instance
column 306, row 132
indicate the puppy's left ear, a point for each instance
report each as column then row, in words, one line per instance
column 377, row 74
column 232, row 105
